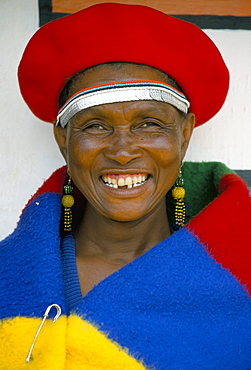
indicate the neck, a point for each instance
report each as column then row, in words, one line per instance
column 99, row 236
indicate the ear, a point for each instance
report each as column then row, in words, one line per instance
column 187, row 129
column 60, row 135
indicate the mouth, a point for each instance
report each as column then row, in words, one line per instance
column 124, row 181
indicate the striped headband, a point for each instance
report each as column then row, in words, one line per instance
column 121, row 92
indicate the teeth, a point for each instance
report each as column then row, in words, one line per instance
column 121, row 182
column 135, row 180
column 128, row 182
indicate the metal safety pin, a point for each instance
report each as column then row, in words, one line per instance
column 46, row 314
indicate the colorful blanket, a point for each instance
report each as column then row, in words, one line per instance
column 185, row 304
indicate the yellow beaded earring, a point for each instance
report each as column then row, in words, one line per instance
column 178, row 193
column 67, row 202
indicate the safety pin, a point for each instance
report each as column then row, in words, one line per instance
column 46, row 314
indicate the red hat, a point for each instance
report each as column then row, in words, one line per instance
column 122, row 33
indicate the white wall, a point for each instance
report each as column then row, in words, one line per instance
column 227, row 136
column 28, row 153
column 27, row 150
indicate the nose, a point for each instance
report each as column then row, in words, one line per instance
column 123, row 148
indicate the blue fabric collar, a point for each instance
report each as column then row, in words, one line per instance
column 70, row 275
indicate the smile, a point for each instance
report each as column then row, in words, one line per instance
column 124, row 181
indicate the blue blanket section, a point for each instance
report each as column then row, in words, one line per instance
column 176, row 308
column 30, row 269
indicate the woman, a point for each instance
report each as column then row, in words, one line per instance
column 127, row 285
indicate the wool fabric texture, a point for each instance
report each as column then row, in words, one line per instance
column 185, row 304
column 112, row 32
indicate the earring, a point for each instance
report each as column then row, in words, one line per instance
column 67, row 202
column 178, row 193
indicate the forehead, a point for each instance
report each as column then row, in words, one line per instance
column 107, row 73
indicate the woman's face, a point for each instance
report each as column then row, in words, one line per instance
column 124, row 157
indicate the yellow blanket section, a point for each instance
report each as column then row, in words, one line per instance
column 68, row 344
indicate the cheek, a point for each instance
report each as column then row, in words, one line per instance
column 167, row 155
column 81, row 152
column 166, row 149
column 81, row 157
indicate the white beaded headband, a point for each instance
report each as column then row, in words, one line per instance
column 121, row 92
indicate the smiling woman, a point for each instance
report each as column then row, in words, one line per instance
column 140, row 283
column 124, row 140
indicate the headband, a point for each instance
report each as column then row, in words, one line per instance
column 122, row 91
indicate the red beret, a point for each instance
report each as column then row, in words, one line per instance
column 122, row 33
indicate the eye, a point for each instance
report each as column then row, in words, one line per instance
column 149, row 124
column 95, row 127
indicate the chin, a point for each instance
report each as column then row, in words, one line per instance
column 126, row 216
